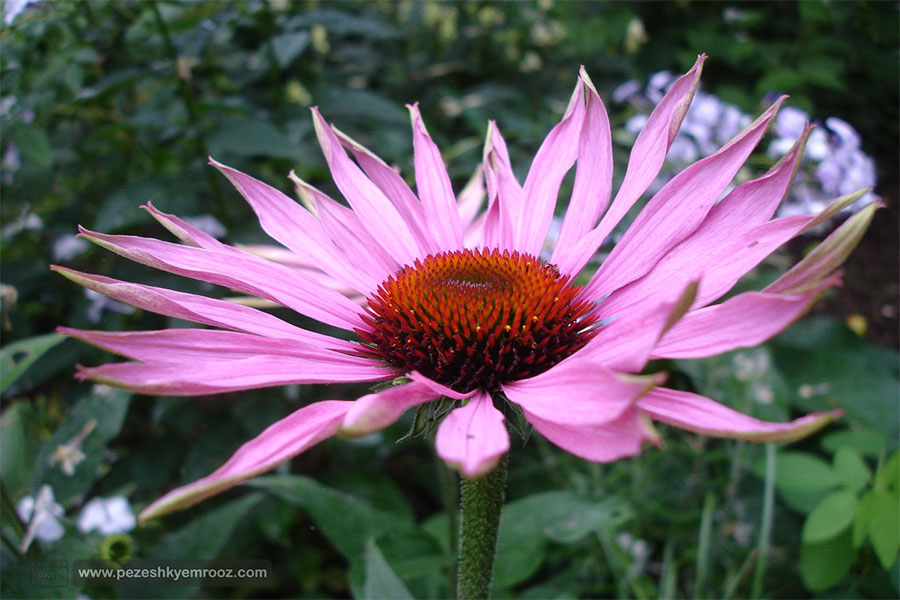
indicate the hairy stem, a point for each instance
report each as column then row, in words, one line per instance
column 482, row 501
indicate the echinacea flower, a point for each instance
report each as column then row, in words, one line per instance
column 457, row 302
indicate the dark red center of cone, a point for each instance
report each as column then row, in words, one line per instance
column 477, row 318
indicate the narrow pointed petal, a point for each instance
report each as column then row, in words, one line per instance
column 702, row 415
column 369, row 202
column 551, row 163
column 189, row 346
column 743, row 321
column 238, row 270
column 827, row 256
column 440, row 389
column 705, row 251
column 605, row 442
column 217, row 377
column 183, row 230
column 348, row 232
column 471, row 198
column 473, row 438
column 593, row 179
column 296, row 228
column 645, row 161
column 199, row 309
column 433, row 186
column 281, row 441
column 505, row 195
column 374, row 412
column 394, row 187
column 676, row 211
column 625, row 344
column 578, row 392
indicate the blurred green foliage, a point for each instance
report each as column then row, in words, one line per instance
column 113, row 104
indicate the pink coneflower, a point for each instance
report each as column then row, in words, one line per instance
column 456, row 300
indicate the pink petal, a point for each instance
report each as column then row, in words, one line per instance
column 185, row 346
column 433, row 185
column 675, row 211
column 369, row 202
column 743, row 321
column 200, row 309
column 183, row 230
column 505, row 195
column 702, row 415
column 603, row 442
column 473, row 438
column 471, row 198
column 438, row 388
column 551, row 163
column 578, row 392
column 707, row 249
column 296, row 228
column 374, row 412
column 279, row 442
column 240, row 271
column 827, row 256
column 646, row 159
column 593, row 177
column 394, row 187
column 348, row 232
column 220, row 376
column 624, row 345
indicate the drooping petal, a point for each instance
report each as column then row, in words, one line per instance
column 367, row 200
column 743, row 321
column 190, row 346
column 750, row 204
column 827, row 256
column 551, row 163
column 603, row 442
column 220, row 376
column 578, row 392
column 281, row 441
column 296, row 228
column 473, row 438
column 240, row 271
column 433, row 186
column 199, row 309
column 505, row 195
column 676, row 211
column 644, row 162
column 702, row 415
column 593, row 178
column 374, row 412
column 625, row 344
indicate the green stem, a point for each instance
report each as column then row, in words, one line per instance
column 482, row 500
column 765, row 529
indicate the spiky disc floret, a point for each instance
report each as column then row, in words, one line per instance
column 476, row 318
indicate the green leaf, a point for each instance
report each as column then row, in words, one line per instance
column 251, row 137
column 345, row 520
column 18, row 356
column 824, row 564
column 865, row 441
column 800, row 471
column 861, row 520
column 381, row 581
column 851, row 468
column 884, row 526
column 561, row 516
column 833, row 515
column 34, row 145
column 17, row 447
column 97, row 418
column 288, row 46
column 888, row 476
